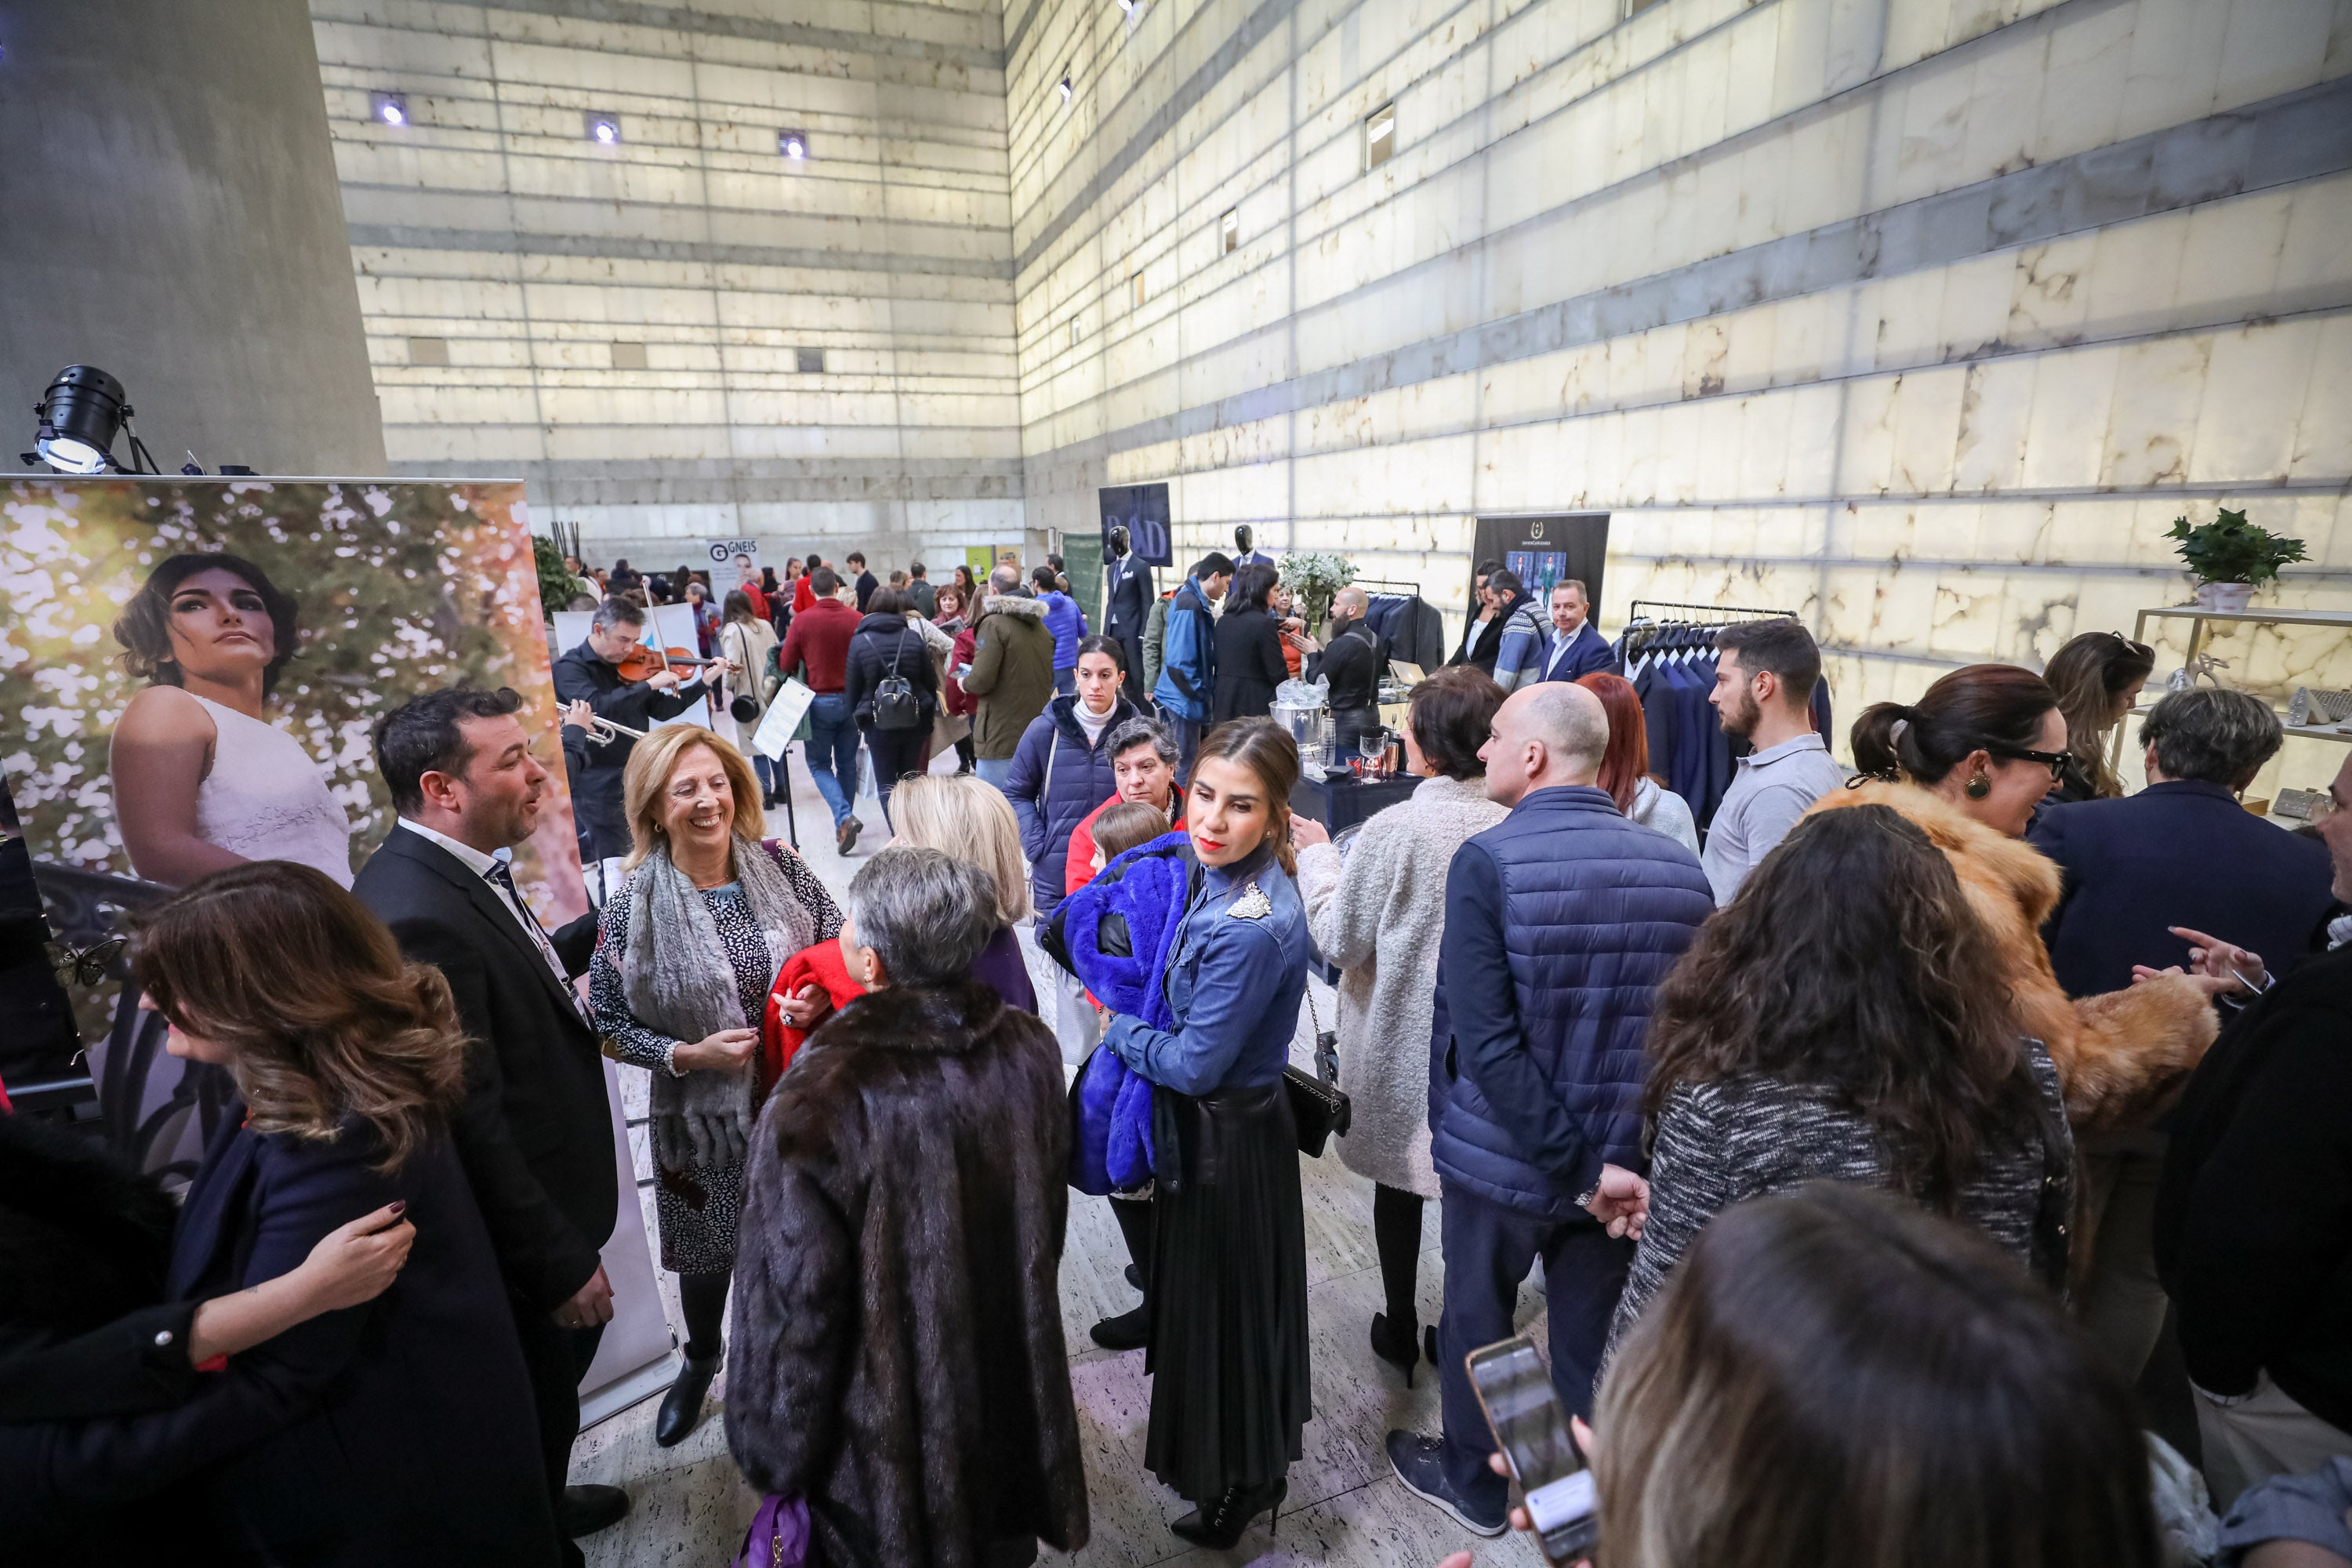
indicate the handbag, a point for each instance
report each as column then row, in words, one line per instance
column 1318, row 1105
column 743, row 708
column 779, row 1536
column 895, row 707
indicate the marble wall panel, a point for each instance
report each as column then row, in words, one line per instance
column 531, row 251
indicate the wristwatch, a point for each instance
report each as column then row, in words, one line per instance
column 1584, row 1201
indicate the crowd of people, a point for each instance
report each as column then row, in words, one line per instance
column 1866, row 1133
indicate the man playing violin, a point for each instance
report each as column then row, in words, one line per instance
column 593, row 673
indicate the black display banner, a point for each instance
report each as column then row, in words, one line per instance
column 1143, row 510
column 1541, row 551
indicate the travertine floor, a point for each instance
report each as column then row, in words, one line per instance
column 1345, row 1507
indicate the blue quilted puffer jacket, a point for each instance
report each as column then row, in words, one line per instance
column 1056, row 778
column 1594, row 909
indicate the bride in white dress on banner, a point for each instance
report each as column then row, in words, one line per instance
column 203, row 780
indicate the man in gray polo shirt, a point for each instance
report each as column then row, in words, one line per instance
column 1764, row 676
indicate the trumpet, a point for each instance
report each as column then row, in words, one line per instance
column 602, row 732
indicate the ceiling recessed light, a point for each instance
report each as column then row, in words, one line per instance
column 604, row 129
column 1066, row 89
column 793, row 144
column 392, row 108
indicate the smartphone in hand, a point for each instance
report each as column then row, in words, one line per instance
column 1514, row 1388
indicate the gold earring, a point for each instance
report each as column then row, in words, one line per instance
column 1978, row 787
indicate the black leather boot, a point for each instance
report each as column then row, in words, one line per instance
column 1399, row 1344
column 1220, row 1525
column 681, row 1407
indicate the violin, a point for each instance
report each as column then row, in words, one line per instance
column 643, row 663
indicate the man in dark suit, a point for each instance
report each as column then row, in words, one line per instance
column 1127, row 593
column 535, row 1132
column 2182, row 853
column 587, row 674
column 1577, row 647
column 2145, row 880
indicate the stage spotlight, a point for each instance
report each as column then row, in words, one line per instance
column 392, row 108
column 80, row 414
column 604, row 129
column 793, row 144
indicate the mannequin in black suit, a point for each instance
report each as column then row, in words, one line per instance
column 535, row 1132
column 1128, row 593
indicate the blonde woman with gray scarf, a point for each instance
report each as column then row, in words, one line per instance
column 686, row 952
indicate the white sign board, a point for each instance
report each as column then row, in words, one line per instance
column 722, row 556
column 782, row 719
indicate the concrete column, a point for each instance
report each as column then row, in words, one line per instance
column 170, row 212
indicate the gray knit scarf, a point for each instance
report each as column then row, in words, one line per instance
column 679, row 982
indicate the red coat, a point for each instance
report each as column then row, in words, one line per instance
column 779, row 1040
column 1081, row 868
column 951, row 692
column 803, row 593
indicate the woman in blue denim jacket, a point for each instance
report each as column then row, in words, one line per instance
column 1228, row 1347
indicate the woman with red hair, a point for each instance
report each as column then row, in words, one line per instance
column 1625, row 766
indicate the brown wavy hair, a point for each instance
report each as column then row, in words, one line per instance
column 2088, row 675
column 307, row 990
column 1832, row 1379
column 1851, row 960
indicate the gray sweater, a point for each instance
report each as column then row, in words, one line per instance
column 1717, row 1144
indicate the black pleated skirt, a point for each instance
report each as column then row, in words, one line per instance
column 1228, row 1351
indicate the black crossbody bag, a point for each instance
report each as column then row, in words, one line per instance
column 1319, row 1106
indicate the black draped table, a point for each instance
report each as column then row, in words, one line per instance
column 1342, row 801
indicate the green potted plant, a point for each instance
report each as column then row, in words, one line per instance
column 1313, row 577
column 2232, row 557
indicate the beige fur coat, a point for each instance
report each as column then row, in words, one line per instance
column 2122, row 1056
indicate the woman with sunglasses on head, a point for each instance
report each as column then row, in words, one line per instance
column 2096, row 677
column 1969, row 762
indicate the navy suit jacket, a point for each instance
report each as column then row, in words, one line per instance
column 391, row 1434
column 1587, row 653
column 2182, row 853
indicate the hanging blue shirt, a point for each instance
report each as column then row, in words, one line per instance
column 1235, row 980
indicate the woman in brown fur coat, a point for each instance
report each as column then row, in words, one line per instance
column 897, row 1334
column 1968, row 763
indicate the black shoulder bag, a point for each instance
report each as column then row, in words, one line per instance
column 1317, row 1104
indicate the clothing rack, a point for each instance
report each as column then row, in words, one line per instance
column 1385, row 586
column 1635, row 611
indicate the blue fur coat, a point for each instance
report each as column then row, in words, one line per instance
column 1116, row 932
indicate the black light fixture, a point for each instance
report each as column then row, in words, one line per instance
column 80, row 412
column 793, row 144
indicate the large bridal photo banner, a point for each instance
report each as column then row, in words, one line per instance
column 189, row 672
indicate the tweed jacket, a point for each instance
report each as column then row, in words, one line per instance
column 1378, row 919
